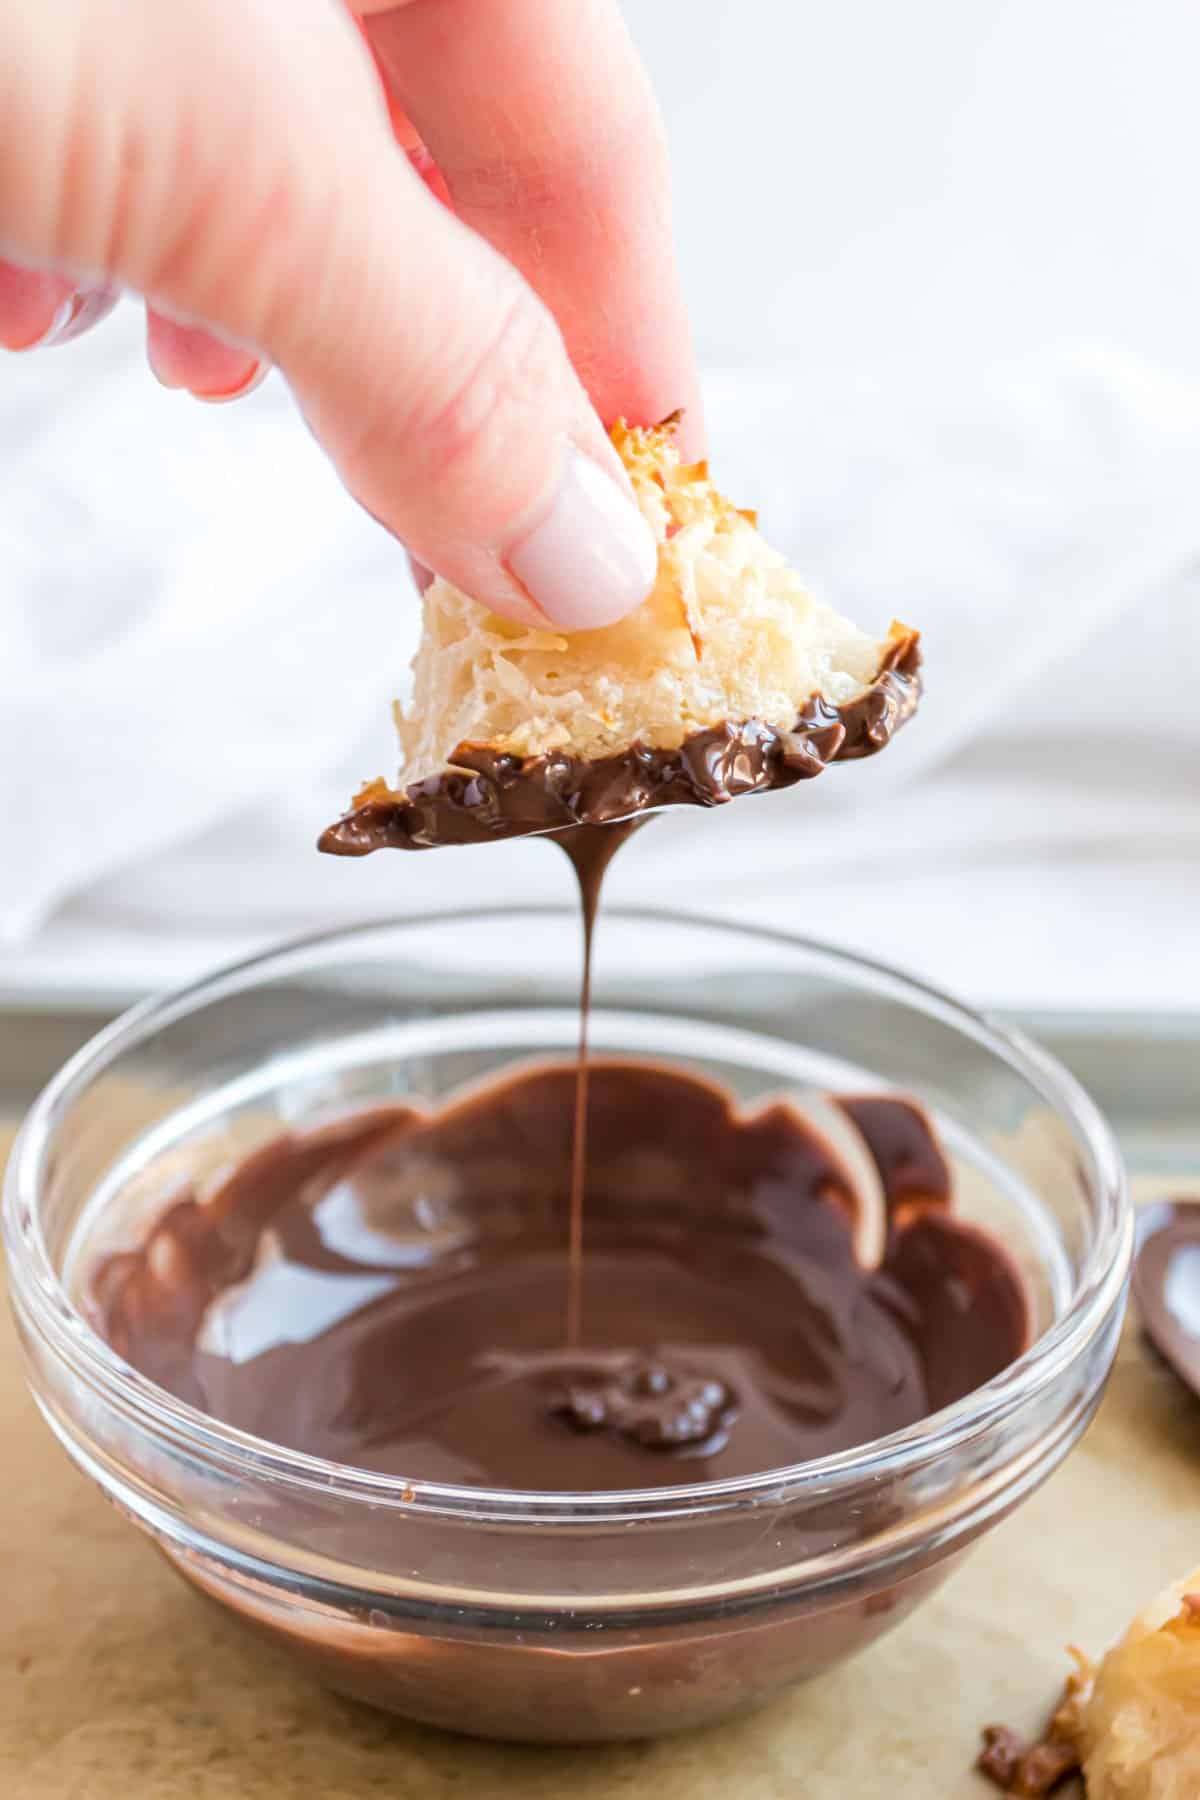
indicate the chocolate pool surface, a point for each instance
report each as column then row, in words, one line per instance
column 388, row 1289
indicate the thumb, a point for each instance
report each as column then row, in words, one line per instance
column 233, row 161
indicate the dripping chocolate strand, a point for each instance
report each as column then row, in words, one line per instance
column 590, row 849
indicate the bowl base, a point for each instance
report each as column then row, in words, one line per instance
column 584, row 1687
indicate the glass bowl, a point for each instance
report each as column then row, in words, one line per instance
column 519, row 1614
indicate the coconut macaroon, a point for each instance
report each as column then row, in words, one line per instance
column 1140, row 1726
column 730, row 678
column 1132, row 1724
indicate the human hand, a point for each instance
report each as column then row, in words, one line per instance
column 237, row 163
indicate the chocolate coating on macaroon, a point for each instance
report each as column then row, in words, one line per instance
column 486, row 793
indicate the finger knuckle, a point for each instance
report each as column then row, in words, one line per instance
column 488, row 392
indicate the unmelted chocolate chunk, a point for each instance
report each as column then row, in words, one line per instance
column 1166, row 1283
column 387, row 1291
column 485, row 793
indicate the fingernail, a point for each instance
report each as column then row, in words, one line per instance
column 254, row 378
column 591, row 558
column 422, row 576
column 77, row 314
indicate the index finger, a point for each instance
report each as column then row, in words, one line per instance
column 542, row 122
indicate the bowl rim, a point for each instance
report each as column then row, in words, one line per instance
column 44, row 1306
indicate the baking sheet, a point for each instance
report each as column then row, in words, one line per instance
column 116, row 1681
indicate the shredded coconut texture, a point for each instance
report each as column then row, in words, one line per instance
column 728, row 632
column 1141, row 1725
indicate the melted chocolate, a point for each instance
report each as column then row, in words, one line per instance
column 387, row 1290
column 485, row 793
column 589, row 849
column 647, row 1402
column 909, row 1158
column 1166, row 1284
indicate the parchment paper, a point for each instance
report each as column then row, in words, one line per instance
column 116, row 1682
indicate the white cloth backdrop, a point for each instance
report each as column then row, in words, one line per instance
column 961, row 380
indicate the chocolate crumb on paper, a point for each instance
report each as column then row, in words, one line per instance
column 1031, row 1770
column 1129, row 1725
column 1026, row 1769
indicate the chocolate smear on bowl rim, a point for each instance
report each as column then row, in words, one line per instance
column 386, row 1290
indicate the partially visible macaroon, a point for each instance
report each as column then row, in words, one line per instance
column 1131, row 1724
column 1140, row 1727
column 730, row 678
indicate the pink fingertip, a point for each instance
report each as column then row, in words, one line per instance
column 78, row 314
column 255, row 376
column 187, row 356
column 39, row 309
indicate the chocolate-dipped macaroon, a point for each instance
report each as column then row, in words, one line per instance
column 729, row 679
